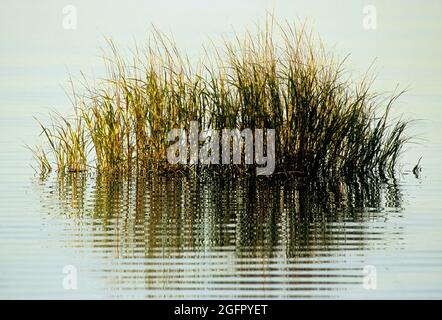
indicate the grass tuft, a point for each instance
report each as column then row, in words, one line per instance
column 278, row 77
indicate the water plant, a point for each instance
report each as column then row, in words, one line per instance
column 67, row 144
column 280, row 77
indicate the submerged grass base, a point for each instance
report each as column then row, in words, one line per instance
column 278, row 78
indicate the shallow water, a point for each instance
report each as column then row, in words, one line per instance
column 158, row 237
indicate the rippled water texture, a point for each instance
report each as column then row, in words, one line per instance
column 202, row 237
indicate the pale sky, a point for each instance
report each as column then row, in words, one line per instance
column 36, row 53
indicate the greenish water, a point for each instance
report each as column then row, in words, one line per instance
column 162, row 237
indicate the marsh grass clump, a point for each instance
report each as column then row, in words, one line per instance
column 279, row 77
column 67, row 143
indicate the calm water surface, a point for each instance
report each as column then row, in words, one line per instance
column 158, row 237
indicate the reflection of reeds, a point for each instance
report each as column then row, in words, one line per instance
column 325, row 124
column 255, row 217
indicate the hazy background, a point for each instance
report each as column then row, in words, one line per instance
column 37, row 55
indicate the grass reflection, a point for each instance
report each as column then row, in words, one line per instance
column 251, row 217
